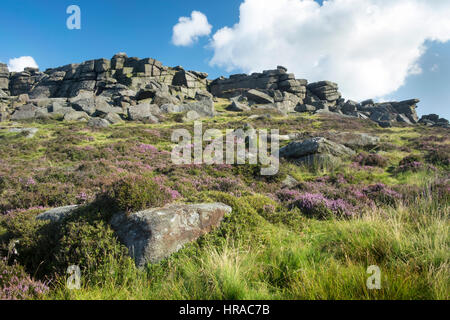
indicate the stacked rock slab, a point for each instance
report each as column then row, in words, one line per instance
column 268, row 81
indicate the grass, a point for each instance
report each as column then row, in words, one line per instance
column 320, row 260
column 265, row 249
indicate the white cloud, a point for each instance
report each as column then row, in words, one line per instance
column 369, row 47
column 19, row 64
column 188, row 30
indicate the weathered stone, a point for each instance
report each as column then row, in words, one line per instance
column 191, row 116
column 238, row 107
column 155, row 234
column 162, row 98
column 144, row 112
column 25, row 112
column 57, row 214
column 356, row 140
column 113, row 118
column 76, row 116
column 98, row 123
column 315, row 150
column 259, row 97
column 305, row 108
column 30, row 132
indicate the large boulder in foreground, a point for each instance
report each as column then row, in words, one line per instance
column 155, row 234
column 315, row 150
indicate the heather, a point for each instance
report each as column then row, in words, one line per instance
column 312, row 239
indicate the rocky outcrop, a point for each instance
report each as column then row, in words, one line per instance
column 104, row 87
column 269, row 80
column 433, row 120
column 154, row 234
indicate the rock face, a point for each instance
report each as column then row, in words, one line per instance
column 154, row 234
column 315, row 150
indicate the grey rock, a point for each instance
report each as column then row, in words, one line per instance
column 113, row 118
column 144, row 112
column 315, row 150
column 57, row 214
column 289, row 182
column 191, row 116
column 236, row 106
column 98, row 123
column 31, row 132
column 356, row 140
column 76, row 116
column 259, row 97
column 25, row 112
column 155, row 234
column 403, row 118
column 171, row 108
column 305, row 108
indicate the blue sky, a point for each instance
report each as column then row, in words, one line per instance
column 144, row 29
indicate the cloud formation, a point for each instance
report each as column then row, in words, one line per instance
column 19, row 64
column 369, row 47
column 188, row 30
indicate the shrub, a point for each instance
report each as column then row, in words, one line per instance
column 381, row 194
column 438, row 157
column 317, row 206
column 371, row 160
column 91, row 247
column 134, row 193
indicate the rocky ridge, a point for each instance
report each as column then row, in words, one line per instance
column 104, row 92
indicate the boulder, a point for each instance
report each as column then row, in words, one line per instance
column 155, row 234
column 144, row 112
column 356, row 140
column 191, row 116
column 76, row 116
column 98, row 123
column 113, row 118
column 315, row 150
column 204, row 108
column 25, row 112
column 305, row 108
column 259, row 97
column 30, row 132
column 57, row 214
column 160, row 98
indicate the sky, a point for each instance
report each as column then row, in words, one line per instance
column 382, row 49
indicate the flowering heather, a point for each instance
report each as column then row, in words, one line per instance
column 380, row 193
column 371, row 160
column 147, row 148
column 316, row 205
column 15, row 284
column 288, row 195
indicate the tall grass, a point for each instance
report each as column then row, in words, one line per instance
column 318, row 260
